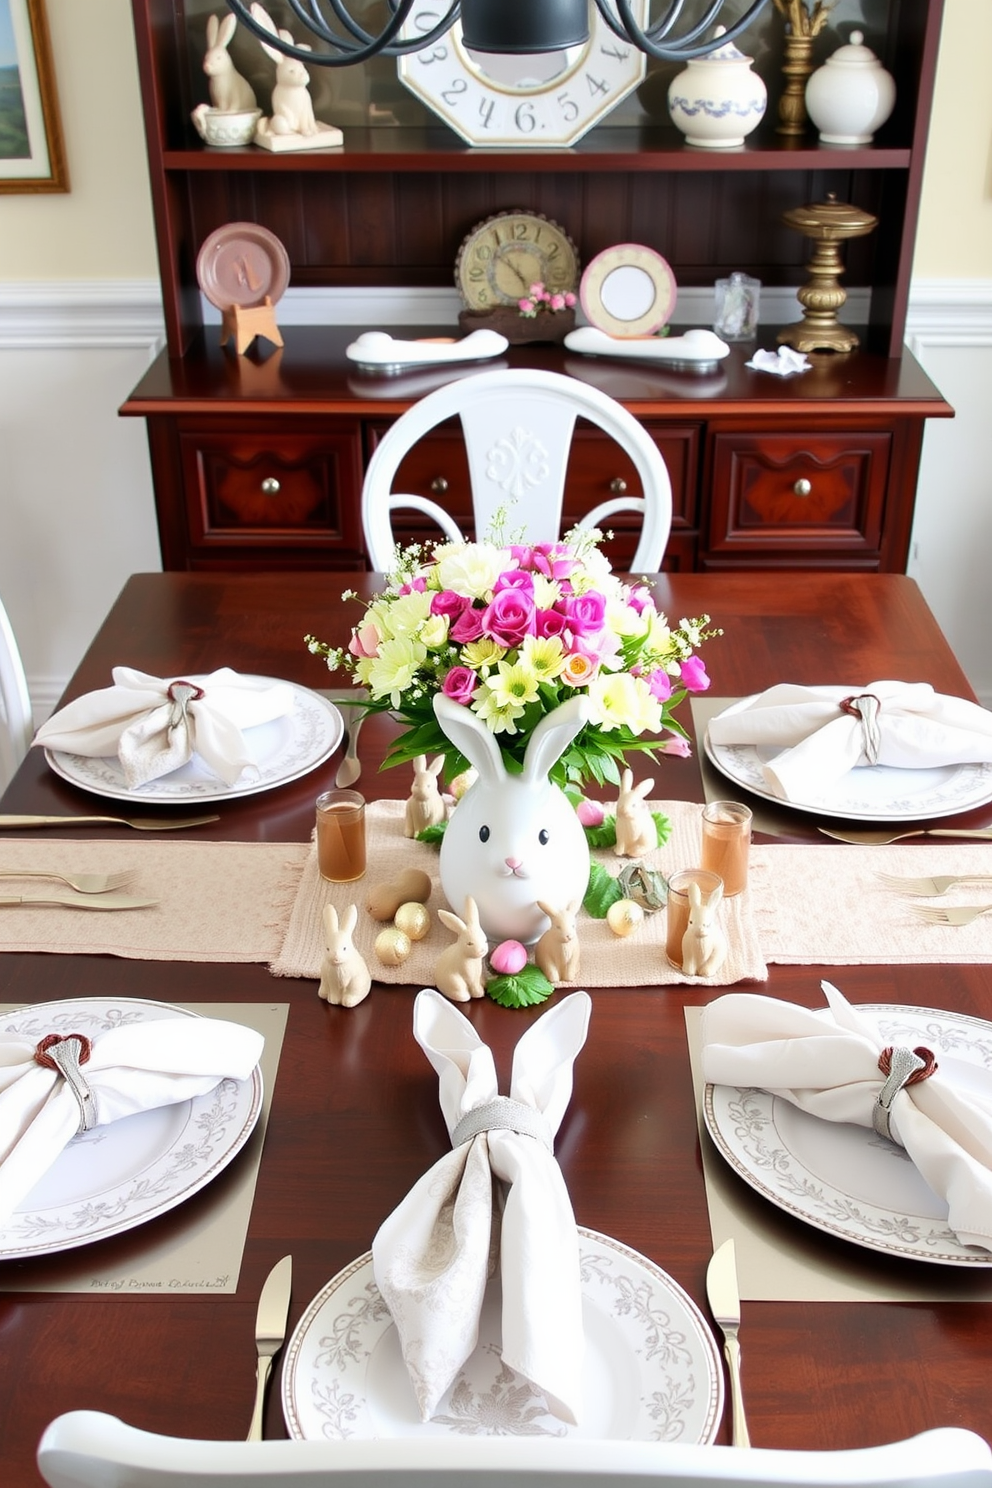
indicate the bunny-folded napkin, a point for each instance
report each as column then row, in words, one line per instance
column 822, row 736
column 498, row 1191
column 135, row 1067
column 155, row 724
column 831, row 1063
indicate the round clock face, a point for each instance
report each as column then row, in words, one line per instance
column 528, row 101
column 502, row 257
column 628, row 290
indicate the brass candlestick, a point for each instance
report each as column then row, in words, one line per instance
column 805, row 22
column 828, row 223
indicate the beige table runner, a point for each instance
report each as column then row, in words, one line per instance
column 606, row 960
column 198, row 1246
column 218, row 901
column 780, row 1259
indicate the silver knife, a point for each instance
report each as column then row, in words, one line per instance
column 725, row 1305
column 270, row 1331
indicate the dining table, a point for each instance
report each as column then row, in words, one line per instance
column 354, row 1118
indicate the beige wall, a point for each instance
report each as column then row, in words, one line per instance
column 103, row 227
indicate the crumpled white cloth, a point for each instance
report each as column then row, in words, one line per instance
column 431, row 1257
column 152, row 733
column 917, row 728
column 132, row 1068
column 781, row 363
column 826, row 1062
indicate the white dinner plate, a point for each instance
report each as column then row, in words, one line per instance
column 869, row 793
column 284, row 749
column 652, row 1371
column 116, row 1177
column 846, row 1179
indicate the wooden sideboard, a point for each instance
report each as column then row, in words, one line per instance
column 258, row 460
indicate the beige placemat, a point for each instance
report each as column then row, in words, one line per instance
column 218, row 901
column 198, row 1246
column 779, row 1259
column 606, row 961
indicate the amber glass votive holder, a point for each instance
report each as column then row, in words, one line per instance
column 677, row 908
column 341, row 835
column 726, row 827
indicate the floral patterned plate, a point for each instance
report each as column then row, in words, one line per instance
column 284, row 749
column 115, row 1177
column 846, row 1179
column 652, row 1371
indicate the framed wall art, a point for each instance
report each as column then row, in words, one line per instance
column 31, row 152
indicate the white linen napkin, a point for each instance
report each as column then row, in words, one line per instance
column 155, row 724
column 131, row 1068
column 826, row 1062
column 431, row 1257
column 916, row 728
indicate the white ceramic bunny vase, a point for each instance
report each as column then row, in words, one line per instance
column 513, row 840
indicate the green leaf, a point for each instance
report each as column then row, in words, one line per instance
column 602, row 891
column 663, row 826
column 605, row 835
column 432, row 835
column 526, row 988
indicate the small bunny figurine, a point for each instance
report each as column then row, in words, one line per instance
column 557, row 951
column 229, row 91
column 458, row 970
column 704, row 945
column 425, row 808
column 345, row 980
column 292, row 107
column 636, row 831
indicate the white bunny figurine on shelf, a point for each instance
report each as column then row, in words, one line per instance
column 292, row 125
column 345, row 980
column 704, row 945
column 513, row 840
column 636, row 831
column 458, row 970
column 557, row 951
column 229, row 91
column 425, row 808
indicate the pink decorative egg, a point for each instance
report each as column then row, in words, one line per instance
column 590, row 813
column 508, row 958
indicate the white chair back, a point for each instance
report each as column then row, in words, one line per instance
column 86, row 1449
column 517, row 426
column 16, row 729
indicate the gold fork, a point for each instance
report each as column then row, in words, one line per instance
column 930, row 888
column 936, row 915
column 85, row 883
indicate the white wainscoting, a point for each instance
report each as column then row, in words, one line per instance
column 77, row 512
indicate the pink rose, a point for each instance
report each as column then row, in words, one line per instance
column 467, row 627
column 585, row 613
column 364, row 640
column 660, row 685
column 557, row 302
column 449, row 603
column 570, row 299
column 694, row 675
column 549, row 623
column 415, row 586
column 509, row 617
column 515, row 578
column 459, row 684
column 640, row 598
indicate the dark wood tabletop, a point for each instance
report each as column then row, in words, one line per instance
column 355, row 1119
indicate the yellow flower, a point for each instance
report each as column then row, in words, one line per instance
column 513, row 685
column 499, row 719
column 482, row 655
column 545, row 655
column 618, row 700
column 407, row 613
column 393, row 670
column 434, row 631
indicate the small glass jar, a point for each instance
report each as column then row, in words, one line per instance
column 341, row 835
column 737, row 300
column 726, row 827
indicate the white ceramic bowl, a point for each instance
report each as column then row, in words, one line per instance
column 230, row 128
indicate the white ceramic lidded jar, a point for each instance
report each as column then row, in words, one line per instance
column 716, row 100
column 851, row 95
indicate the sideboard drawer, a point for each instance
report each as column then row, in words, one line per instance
column 798, row 497
column 295, row 490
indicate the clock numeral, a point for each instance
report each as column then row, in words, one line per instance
column 426, row 20
column 457, row 88
column 524, row 118
column 619, row 54
column 484, row 252
column 596, row 86
column 552, row 252
column 476, row 274
column 439, row 54
column 520, row 231
column 487, row 107
column 568, row 106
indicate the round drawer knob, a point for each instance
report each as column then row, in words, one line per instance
column 439, row 485
column 270, row 486
column 803, row 487
column 618, row 486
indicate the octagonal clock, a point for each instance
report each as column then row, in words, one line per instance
column 532, row 101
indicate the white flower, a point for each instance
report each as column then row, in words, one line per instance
column 471, row 568
column 434, row 631
column 393, row 670
column 407, row 613
column 618, row 700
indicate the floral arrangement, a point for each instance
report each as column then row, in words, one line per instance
column 538, row 300
column 513, row 631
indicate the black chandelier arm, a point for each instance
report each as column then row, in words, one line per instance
column 685, row 47
column 348, row 53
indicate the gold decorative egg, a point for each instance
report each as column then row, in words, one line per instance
column 413, row 920
column 392, row 946
column 624, row 917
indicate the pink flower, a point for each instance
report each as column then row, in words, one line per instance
column 526, row 306
column 515, row 578
column 660, row 685
column 640, row 598
column 467, row 627
column 415, row 586
column 585, row 613
column 677, row 746
column 549, row 623
column 449, row 602
column 459, row 684
column 364, row 640
column 590, row 813
column 569, row 299
column 694, row 674
column 509, row 617
column 557, row 302
column 579, row 670
column 537, row 291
